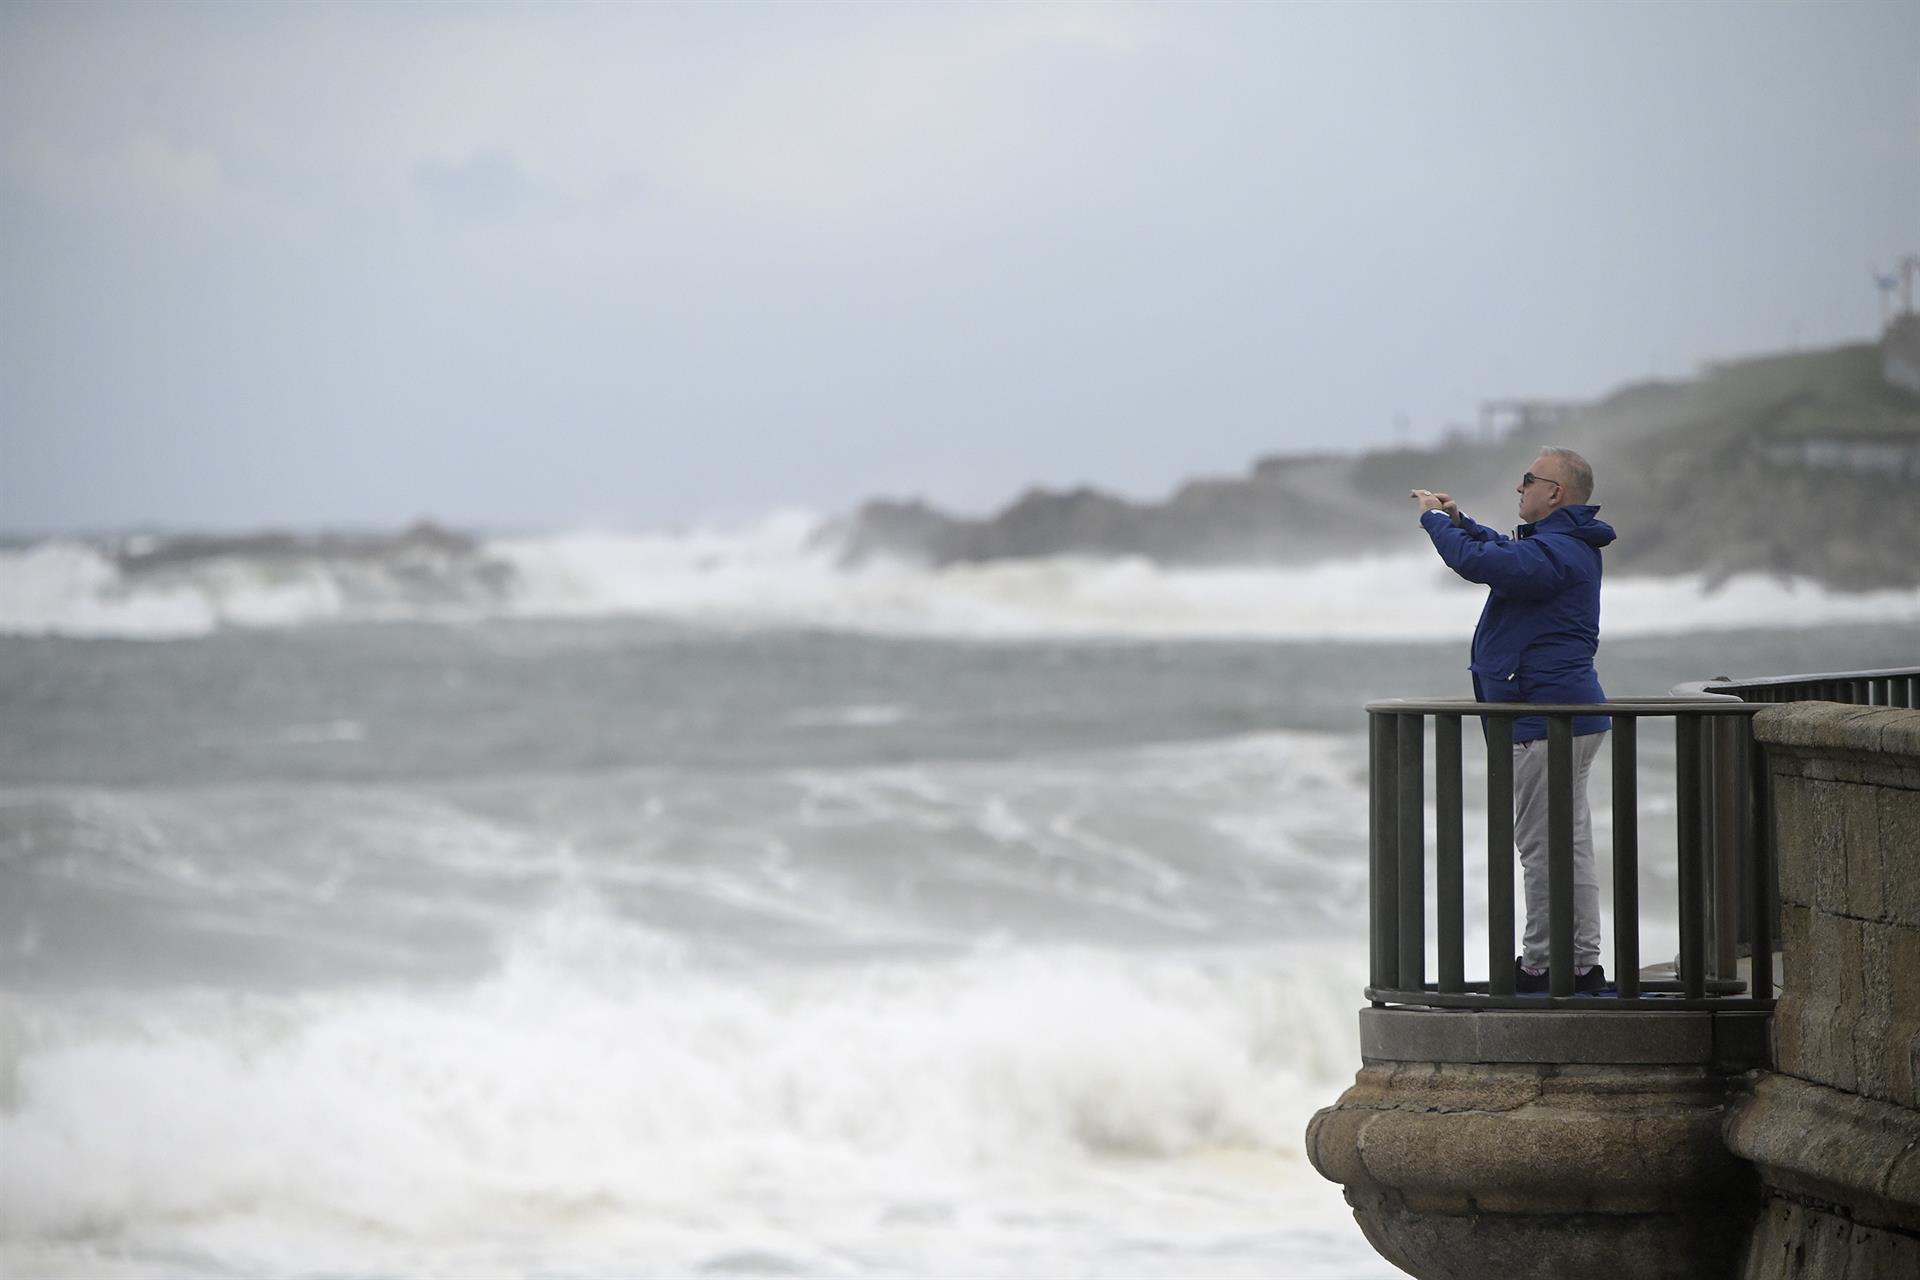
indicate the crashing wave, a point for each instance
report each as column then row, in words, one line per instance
column 789, row 571
column 152, row 587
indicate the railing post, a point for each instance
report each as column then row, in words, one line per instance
column 1413, row 852
column 1383, row 846
column 1626, row 855
column 1449, row 839
column 1763, row 884
column 1728, row 810
column 1689, row 845
column 1499, row 731
column 1560, row 854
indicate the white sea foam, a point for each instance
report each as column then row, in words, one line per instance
column 63, row 588
column 862, row 715
column 599, row 1103
column 777, row 573
column 67, row 588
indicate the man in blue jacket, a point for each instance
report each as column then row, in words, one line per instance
column 1535, row 643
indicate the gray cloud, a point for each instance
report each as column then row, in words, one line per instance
column 486, row 184
column 645, row 264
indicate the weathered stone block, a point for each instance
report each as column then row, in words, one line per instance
column 1900, row 733
column 1789, row 1037
column 1903, row 1004
column 1903, row 970
column 1834, row 962
column 1792, row 1241
column 1789, row 1033
column 1860, row 843
column 1879, row 1252
column 1899, row 844
column 1913, row 1070
column 1830, row 1146
column 1701, row 1244
column 1793, row 828
column 1872, row 1056
column 1825, row 846
column 1873, row 1021
column 1902, row 1185
column 1824, row 768
column 1826, row 1239
column 1770, row 1248
column 1795, row 939
column 1826, row 1047
column 1830, row 1003
column 1822, row 727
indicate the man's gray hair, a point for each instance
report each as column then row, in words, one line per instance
column 1579, row 471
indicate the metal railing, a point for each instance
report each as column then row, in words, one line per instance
column 1717, row 779
column 1728, row 899
column 1894, row 687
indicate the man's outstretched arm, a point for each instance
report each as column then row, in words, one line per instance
column 1519, row 567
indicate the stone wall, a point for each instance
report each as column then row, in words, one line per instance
column 1834, row 1129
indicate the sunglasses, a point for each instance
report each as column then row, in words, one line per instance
column 1529, row 478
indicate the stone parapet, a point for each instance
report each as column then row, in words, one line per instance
column 1846, row 788
column 1834, row 1130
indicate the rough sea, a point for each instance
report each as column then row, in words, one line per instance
column 701, row 909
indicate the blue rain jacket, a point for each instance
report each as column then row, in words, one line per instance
column 1541, row 625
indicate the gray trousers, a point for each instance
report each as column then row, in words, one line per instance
column 1530, row 837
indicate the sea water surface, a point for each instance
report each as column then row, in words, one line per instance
column 657, row 924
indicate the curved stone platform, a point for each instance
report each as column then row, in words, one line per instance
column 1471, row 1147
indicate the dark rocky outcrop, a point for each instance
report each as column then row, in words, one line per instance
column 423, row 538
column 425, row 564
column 1288, row 509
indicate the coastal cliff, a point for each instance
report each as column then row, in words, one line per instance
column 1786, row 465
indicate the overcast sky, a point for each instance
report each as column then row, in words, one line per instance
column 646, row 264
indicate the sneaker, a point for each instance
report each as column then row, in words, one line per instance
column 1592, row 981
column 1525, row 983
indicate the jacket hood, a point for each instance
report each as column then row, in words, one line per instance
column 1582, row 522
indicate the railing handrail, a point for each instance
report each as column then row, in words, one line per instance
column 1886, row 687
column 1812, row 677
column 1666, row 705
